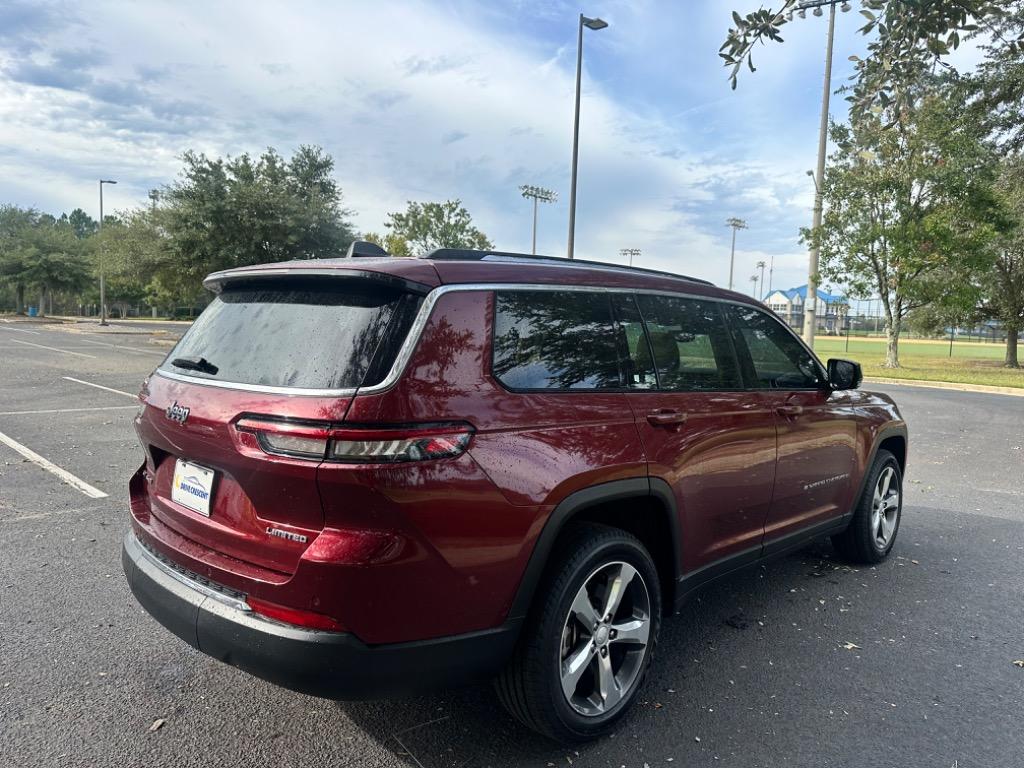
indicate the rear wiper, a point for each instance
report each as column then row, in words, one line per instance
column 200, row 364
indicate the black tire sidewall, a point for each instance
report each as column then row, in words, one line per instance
column 625, row 549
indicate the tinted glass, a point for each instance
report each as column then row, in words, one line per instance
column 633, row 342
column 555, row 340
column 779, row 360
column 690, row 344
column 299, row 334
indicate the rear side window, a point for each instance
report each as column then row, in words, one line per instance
column 555, row 340
column 779, row 361
column 690, row 344
column 331, row 334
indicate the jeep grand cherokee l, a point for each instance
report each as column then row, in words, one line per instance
column 369, row 476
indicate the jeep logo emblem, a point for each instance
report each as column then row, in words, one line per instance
column 177, row 412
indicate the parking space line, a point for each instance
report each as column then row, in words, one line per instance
column 125, row 347
column 24, row 330
column 49, row 466
column 53, row 349
column 100, row 386
column 69, row 410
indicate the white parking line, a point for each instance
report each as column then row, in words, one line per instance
column 49, row 466
column 69, row 410
column 53, row 349
column 22, row 330
column 100, row 386
column 125, row 347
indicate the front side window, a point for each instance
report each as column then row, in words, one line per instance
column 555, row 340
column 779, row 360
column 689, row 343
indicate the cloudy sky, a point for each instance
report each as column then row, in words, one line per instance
column 436, row 100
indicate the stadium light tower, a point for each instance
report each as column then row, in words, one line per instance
column 103, row 283
column 629, row 253
column 538, row 194
column 736, row 224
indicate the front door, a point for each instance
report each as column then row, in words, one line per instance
column 816, row 431
column 712, row 442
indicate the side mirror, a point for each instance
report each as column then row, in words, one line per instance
column 844, row 374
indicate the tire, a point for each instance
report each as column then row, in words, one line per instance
column 863, row 541
column 583, row 569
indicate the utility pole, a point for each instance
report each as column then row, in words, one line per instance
column 630, row 253
column 537, row 194
column 736, row 224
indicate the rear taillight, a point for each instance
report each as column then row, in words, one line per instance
column 357, row 445
column 294, row 616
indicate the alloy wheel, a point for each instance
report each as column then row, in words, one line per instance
column 885, row 507
column 605, row 638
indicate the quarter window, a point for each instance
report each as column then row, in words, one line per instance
column 689, row 343
column 555, row 340
column 779, row 360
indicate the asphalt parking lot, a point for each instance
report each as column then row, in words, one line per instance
column 805, row 662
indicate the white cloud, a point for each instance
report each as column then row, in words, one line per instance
column 423, row 101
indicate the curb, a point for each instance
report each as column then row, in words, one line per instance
column 982, row 388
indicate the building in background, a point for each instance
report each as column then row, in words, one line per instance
column 830, row 311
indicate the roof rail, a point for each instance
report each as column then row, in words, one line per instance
column 463, row 254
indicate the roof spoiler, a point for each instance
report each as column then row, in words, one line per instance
column 365, row 248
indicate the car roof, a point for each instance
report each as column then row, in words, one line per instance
column 458, row 266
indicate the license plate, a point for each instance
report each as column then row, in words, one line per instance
column 192, row 486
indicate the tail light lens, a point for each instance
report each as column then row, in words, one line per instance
column 294, row 616
column 358, row 445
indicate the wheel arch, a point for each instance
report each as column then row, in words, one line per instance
column 642, row 506
column 892, row 438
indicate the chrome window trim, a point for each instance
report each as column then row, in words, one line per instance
column 197, row 586
column 412, row 339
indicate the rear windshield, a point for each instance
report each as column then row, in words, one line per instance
column 333, row 335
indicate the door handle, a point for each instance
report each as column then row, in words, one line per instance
column 789, row 410
column 666, row 418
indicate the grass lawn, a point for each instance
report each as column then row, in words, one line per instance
column 971, row 363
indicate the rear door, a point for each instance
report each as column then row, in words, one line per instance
column 283, row 356
column 710, row 440
column 816, row 430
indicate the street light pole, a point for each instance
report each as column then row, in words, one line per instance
column 735, row 224
column 544, row 196
column 594, row 24
column 103, row 285
column 810, row 306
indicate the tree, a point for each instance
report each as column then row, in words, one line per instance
column 1004, row 284
column 392, row 243
column 426, row 226
column 999, row 81
column 14, row 222
column 41, row 252
column 908, row 193
column 239, row 211
column 910, row 38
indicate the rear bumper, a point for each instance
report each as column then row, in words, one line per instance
column 334, row 665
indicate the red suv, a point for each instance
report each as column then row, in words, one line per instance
column 370, row 476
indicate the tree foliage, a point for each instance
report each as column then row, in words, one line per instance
column 908, row 207
column 426, row 226
column 230, row 212
column 40, row 252
column 909, row 38
column 1004, row 283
